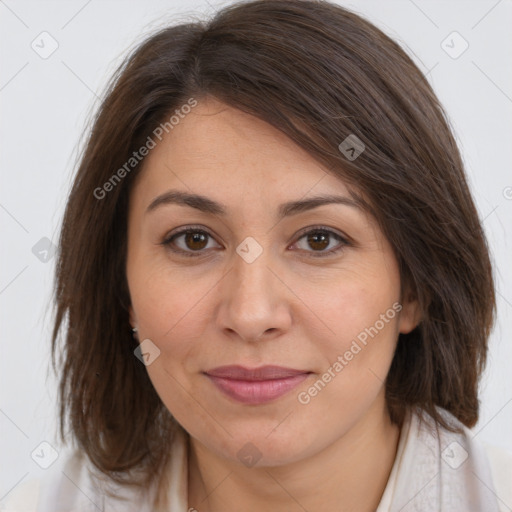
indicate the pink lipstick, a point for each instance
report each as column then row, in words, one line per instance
column 257, row 385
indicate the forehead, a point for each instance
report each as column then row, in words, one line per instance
column 220, row 151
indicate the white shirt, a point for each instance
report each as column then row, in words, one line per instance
column 433, row 471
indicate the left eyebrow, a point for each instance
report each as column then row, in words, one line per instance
column 208, row 205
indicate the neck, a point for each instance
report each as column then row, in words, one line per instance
column 351, row 474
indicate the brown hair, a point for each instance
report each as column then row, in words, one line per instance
column 318, row 73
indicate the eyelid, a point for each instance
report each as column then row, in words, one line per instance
column 321, row 227
column 184, row 229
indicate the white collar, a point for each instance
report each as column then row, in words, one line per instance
column 438, row 470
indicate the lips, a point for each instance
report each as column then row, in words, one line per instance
column 256, row 385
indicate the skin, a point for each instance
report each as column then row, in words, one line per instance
column 286, row 308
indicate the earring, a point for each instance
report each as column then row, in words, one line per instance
column 134, row 332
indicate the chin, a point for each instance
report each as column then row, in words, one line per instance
column 267, row 447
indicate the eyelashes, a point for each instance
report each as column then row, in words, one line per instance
column 319, row 237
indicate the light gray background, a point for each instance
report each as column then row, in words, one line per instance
column 44, row 105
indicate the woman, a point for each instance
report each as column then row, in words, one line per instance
column 273, row 284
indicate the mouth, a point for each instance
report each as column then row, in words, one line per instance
column 257, row 385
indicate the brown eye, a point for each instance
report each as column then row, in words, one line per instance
column 321, row 241
column 189, row 241
column 318, row 240
column 195, row 240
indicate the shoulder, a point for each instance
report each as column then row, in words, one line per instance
column 26, row 496
column 58, row 486
column 500, row 461
column 23, row 498
column 484, row 459
column 70, row 486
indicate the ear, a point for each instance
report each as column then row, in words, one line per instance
column 133, row 318
column 410, row 316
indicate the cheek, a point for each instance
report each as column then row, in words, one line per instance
column 169, row 300
column 362, row 319
column 356, row 307
column 171, row 312
column 353, row 377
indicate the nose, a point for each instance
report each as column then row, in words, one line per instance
column 254, row 301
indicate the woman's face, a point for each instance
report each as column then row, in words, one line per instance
column 313, row 289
